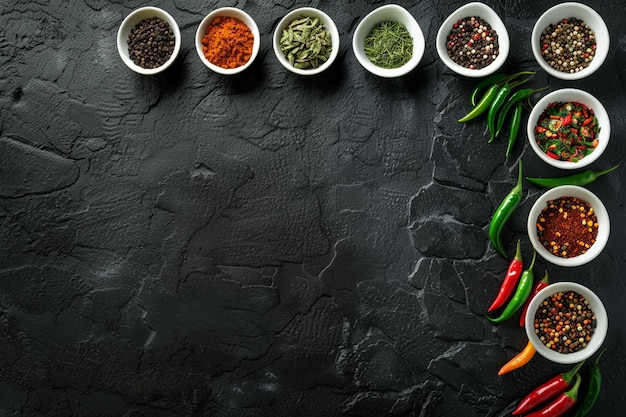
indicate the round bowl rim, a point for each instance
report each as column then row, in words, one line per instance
column 232, row 12
column 579, row 11
column 330, row 25
column 488, row 14
column 604, row 228
column 581, row 96
column 596, row 305
column 376, row 16
column 130, row 21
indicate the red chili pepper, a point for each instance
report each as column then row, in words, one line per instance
column 587, row 121
column 540, row 285
column 547, row 390
column 510, row 280
column 552, row 155
column 563, row 403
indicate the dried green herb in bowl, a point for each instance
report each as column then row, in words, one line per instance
column 306, row 42
column 389, row 45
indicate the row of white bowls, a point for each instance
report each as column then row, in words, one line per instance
column 390, row 12
column 384, row 13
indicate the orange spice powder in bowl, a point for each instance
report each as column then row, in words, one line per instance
column 227, row 40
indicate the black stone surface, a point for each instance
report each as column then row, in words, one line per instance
column 189, row 244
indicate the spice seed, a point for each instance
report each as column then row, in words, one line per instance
column 472, row 43
column 568, row 45
column 565, row 327
column 151, row 43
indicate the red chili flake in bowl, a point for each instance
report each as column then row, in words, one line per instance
column 567, row 227
column 567, row 131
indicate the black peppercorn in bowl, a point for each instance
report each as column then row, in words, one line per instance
column 569, row 128
column 566, row 322
column 473, row 41
column 568, row 226
column 570, row 41
column 148, row 40
column 388, row 42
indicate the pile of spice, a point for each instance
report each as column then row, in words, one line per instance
column 151, row 43
column 567, row 227
column 472, row 43
column 564, row 322
column 568, row 45
column 567, row 131
column 227, row 42
column 389, row 45
column 306, row 43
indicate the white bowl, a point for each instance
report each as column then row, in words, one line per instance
column 567, row 11
column 486, row 13
column 570, row 95
column 604, row 226
column 597, row 338
column 130, row 22
column 328, row 23
column 388, row 13
column 230, row 12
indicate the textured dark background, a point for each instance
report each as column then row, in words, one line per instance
column 190, row 244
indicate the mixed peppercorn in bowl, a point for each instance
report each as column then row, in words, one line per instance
column 473, row 41
column 566, row 322
column 570, row 41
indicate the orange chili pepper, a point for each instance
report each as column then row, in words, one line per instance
column 519, row 360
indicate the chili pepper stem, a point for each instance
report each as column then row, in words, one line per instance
column 573, row 392
column 593, row 391
column 522, row 292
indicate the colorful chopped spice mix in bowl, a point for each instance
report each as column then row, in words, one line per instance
column 570, row 41
column 569, row 128
column 388, row 42
column 473, row 41
column 306, row 41
column 148, row 40
column 566, row 322
column 228, row 40
column 568, row 226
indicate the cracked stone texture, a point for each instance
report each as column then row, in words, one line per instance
column 189, row 244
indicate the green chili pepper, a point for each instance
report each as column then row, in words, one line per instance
column 595, row 384
column 487, row 82
column 502, row 214
column 583, row 178
column 494, row 79
column 516, row 120
column 497, row 104
column 522, row 292
column 517, row 97
column 482, row 105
